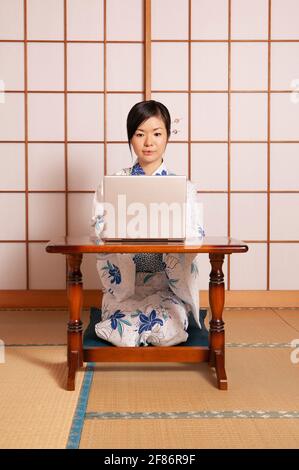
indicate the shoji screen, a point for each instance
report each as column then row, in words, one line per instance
column 71, row 70
column 228, row 71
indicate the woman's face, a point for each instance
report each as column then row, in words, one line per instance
column 149, row 140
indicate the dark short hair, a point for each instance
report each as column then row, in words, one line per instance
column 144, row 110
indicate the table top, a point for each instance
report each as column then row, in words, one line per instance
column 87, row 244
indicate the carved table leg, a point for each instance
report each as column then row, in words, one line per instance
column 216, row 336
column 75, row 326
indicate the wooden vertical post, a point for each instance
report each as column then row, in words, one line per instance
column 216, row 298
column 75, row 326
column 147, row 50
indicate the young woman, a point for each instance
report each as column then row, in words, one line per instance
column 147, row 298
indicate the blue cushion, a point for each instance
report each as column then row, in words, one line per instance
column 197, row 336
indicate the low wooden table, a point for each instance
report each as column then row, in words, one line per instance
column 216, row 247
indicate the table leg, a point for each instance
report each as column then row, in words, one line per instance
column 75, row 325
column 216, row 337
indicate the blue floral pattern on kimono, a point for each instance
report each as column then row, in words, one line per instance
column 113, row 272
column 147, row 323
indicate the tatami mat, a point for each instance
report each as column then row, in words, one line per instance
column 263, row 379
column 262, row 382
column 188, row 434
column 37, row 412
column 35, row 409
column 36, row 326
column 247, row 325
column 257, row 325
column 290, row 317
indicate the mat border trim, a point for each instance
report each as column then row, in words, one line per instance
column 211, row 414
column 80, row 412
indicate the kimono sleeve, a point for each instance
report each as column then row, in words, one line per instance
column 97, row 216
column 194, row 213
column 117, row 273
column 97, row 224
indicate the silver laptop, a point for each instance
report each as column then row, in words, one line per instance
column 145, row 208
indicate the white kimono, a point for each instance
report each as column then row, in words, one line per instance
column 147, row 297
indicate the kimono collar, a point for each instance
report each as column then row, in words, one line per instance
column 138, row 170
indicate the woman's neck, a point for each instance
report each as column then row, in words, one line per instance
column 150, row 168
